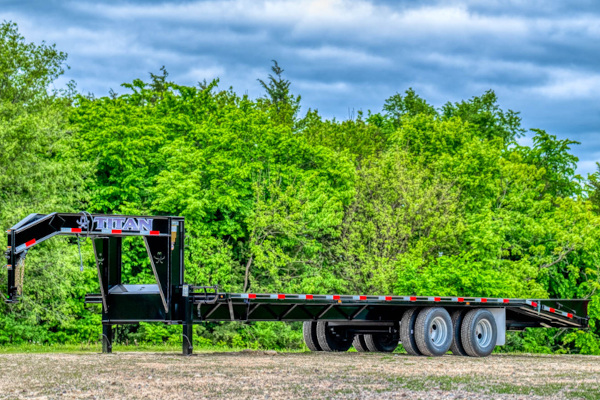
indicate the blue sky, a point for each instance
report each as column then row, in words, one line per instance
column 542, row 58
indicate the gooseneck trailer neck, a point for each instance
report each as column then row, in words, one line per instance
column 426, row 325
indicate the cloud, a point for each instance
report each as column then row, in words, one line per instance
column 568, row 84
column 540, row 57
column 200, row 74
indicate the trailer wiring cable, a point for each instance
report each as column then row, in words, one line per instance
column 87, row 216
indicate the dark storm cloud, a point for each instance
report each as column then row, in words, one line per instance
column 541, row 57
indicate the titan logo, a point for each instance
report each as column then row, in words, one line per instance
column 125, row 224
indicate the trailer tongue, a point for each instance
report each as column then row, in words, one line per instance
column 425, row 325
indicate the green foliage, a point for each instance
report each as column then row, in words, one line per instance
column 412, row 200
column 40, row 172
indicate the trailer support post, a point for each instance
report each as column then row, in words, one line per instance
column 107, row 338
column 188, row 327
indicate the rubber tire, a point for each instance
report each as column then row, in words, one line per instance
column 359, row 343
column 382, row 343
column 329, row 342
column 468, row 337
column 456, row 347
column 407, row 329
column 423, row 334
column 309, row 331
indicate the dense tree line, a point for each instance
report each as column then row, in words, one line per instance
column 409, row 200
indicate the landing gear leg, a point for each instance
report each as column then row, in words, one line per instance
column 188, row 328
column 107, row 338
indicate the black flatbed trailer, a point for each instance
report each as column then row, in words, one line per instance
column 426, row 325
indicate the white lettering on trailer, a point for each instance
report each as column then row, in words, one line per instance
column 126, row 224
column 100, row 223
column 130, row 225
column 145, row 224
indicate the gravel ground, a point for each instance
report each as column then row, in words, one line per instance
column 271, row 375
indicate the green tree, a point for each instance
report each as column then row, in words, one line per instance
column 283, row 103
column 39, row 173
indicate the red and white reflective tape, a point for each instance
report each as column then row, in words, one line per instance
column 434, row 299
column 555, row 311
column 458, row 299
column 25, row 246
column 531, row 303
column 70, row 230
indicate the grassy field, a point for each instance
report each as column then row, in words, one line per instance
column 84, row 374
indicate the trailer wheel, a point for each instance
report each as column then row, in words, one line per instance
column 433, row 331
column 407, row 331
column 359, row 343
column 479, row 333
column 330, row 342
column 456, row 347
column 383, row 343
column 309, row 331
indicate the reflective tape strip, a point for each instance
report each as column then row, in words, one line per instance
column 412, row 298
column 483, row 300
column 281, row 296
column 154, row 232
column 555, row 311
column 461, row 299
column 437, row 299
column 116, row 231
column 362, row 297
column 328, row 297
column 388, row 298
column 506, row 300
column 244, row 295
column 336, row 297
column 251, row 295
column 531, row 303
column 25, row 246
column 309, row 297
column 70, row 230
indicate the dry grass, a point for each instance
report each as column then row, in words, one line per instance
column 270, row 375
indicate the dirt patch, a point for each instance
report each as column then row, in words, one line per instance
column 271, row 375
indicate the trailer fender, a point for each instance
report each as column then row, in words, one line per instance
column 500, row 318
